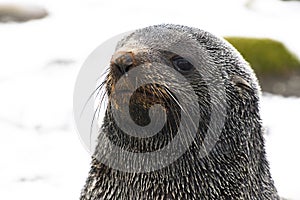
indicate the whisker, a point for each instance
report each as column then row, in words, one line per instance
column 97, row 91
column 94, row 91
column 187, row 113
column 92, row 123
column 173, row 98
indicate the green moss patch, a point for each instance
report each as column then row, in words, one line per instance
column 266, row 56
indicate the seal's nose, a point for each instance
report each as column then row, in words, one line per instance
column 123, row 61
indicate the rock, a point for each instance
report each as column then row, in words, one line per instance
column 21, row 13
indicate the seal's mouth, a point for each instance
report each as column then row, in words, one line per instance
column 147, row 95
column 140, row 101
column 144, row 93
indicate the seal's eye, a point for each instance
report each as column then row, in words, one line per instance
column 182, row 64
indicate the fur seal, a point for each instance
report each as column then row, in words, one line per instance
column 234, row 168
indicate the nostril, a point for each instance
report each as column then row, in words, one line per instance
column 124, row 61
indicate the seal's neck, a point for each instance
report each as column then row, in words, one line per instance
column 234, row 169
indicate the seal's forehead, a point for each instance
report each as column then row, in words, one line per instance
column 157, row 37
column 131, row 43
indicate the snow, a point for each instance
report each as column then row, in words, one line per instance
column 42, row 156
column 281, row 119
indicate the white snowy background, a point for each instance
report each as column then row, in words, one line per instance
column 41, row 154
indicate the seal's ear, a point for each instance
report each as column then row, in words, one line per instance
column 241, row 83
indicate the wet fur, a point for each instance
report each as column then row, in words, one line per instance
column 236, row 168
